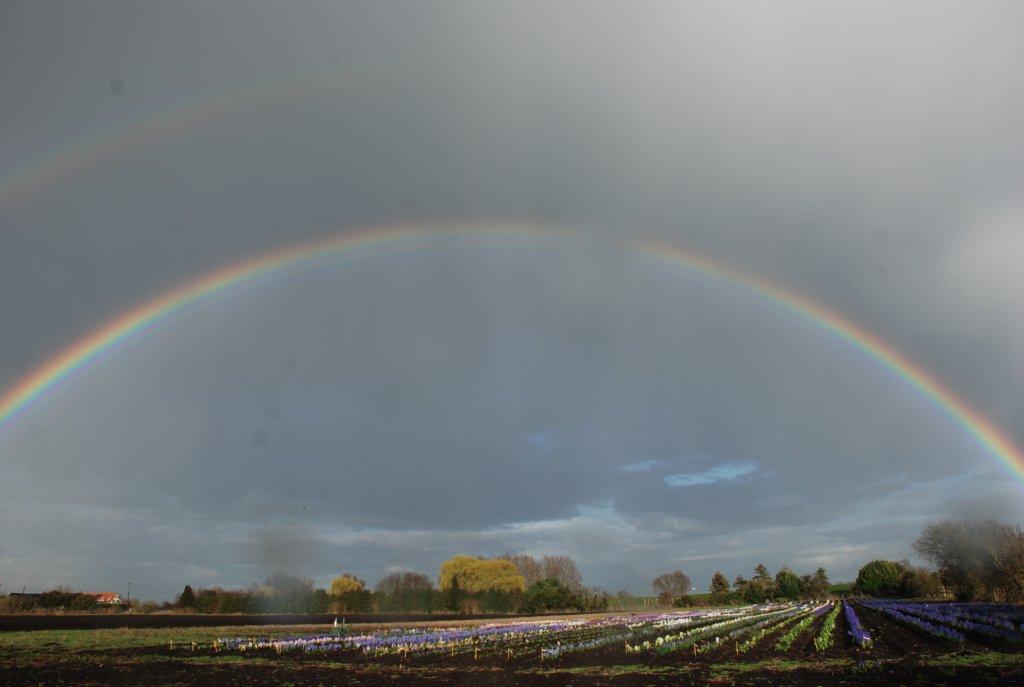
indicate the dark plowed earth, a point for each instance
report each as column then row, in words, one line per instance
column 174, row 673
column 899, row 656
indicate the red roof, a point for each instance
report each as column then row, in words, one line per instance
column 106, row 597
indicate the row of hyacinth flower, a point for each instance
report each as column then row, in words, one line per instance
column 671, row 640
column 758, row 630
column 401, row 641
column 749, row 625
column 860, row 636
column 792, row 634
column 826, row 635
column 943, row 625
column 991, row 622
column 1010, row 616
column 614, row 630
column 691, row 635
column 897, row 613
column 600, row 632
column 457, row 638
column 755, row 626
column 754, row 635
column 638, row 630
column 823, row 609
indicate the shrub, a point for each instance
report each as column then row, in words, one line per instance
column 549, row 594
column 879, row 578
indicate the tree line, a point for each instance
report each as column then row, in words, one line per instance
column 513, row 583
column 673, row 589
column 974, row 560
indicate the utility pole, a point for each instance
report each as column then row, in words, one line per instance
column 129, row 596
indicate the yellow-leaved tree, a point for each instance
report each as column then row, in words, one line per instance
column 346, row 583
column 481, row 575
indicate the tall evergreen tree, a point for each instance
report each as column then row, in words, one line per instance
column 187, row 598
column 719, row 587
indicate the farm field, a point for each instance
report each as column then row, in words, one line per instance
column 868, row 642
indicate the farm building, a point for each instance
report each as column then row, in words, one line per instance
column 106, row 598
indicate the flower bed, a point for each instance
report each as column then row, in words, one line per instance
column 826, row 635
column 860, row 636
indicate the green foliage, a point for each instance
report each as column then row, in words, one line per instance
column 83, row 602
column 453, row 595
column 592, row 600
column 916, row 582
column 355, row 601
column 187, row 598
column 235, row 602
column 787, row 584
column 719, row 586
column 791, row 635
column 826, row 635
column 549, row 594
column 762, row 632
column 404, row 590
column 57, row 598
column 879, row 578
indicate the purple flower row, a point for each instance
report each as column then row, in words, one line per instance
column 897, row 613
column 578, row 632
column 859, row 634
column 944, row 619
column 823, row 609
column 994, row 622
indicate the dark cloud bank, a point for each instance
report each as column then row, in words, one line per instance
column 391, row 412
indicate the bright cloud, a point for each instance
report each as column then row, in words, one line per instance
column 726, row 472
column 642, row 466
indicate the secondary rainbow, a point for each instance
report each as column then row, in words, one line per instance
column 386, row 241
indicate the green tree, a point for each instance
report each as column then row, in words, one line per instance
column 187, row 598
column 787, row 584
column 549, row 594
column 916, row 582
column 719, row 586
column 452, row 595
column 821, row 578
column 879, row 578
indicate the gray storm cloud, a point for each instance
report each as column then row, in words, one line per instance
column 391, row 412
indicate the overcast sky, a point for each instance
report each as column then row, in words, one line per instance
column 562, row 397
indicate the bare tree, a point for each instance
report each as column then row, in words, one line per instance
column 401, row 581
column 564, row 570
column 527, row 565
column 671, row 585
column 978, row 559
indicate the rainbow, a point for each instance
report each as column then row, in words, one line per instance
column 126, row 326
column 30, row 176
